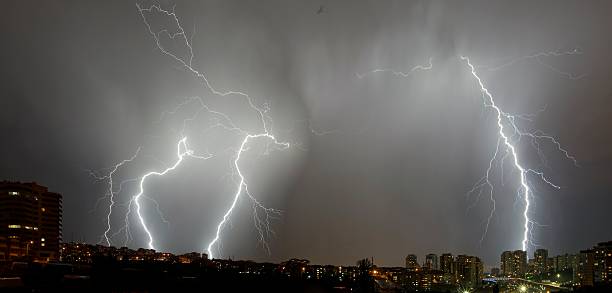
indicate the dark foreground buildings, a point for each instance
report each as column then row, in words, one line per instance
column 594, row 266
column 514, row 263
column 30, row 222
column 589, row 268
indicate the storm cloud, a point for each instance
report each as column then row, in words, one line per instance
column 84, row 86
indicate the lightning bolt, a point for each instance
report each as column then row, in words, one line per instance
column 182, row 151
column 509, row 134
column 243, row 187
column 187, row 63
column 111, row 191
column 111, row 194
column 219, row 119
column 538, row 57
column 397, row 73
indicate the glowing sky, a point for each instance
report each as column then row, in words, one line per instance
column 84, row 86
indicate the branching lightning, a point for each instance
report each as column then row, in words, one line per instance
column 242, row 185
column 538, row 57
column 182, row 151
column 111, row 193
column 398, row 73
column 509, row 134
column 227, row 123
column 220, row 120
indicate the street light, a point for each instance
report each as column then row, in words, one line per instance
column 28, row 247
column 523, row 288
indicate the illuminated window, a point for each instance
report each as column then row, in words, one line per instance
column 42, row 244
column 14, row 226
column 13, row 192
column 42, row 209
column 42, row 239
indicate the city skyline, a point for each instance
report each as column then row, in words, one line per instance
column 31, row 235
column 587, row 268
column 362, row 133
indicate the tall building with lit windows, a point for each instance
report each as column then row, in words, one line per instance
column 431, row 262
column 468, row 270
column 446, row 263
column 602, row 266
column 514, row 263
column 585, row 267
column 540, row 257
column 446, row 266
column 412, row 262
column 30, row 222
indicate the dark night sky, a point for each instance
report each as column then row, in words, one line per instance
column 83, row 86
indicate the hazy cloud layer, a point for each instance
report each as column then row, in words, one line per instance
column 83, row 86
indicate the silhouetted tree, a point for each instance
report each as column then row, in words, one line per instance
column 366, row 282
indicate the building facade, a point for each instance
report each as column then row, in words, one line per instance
column 514, row 263
column 446, row 263
column 540, row 257
column 431, row 262
column 586, row 267
column 30, row 222
column 562, row 262
column 468, row 271
column 412, row 262
column 602, row 266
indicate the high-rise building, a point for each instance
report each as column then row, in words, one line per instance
column 468, row 270
column 506, row 264
column 602, row 266
column 562, row 263
column 30, row 221
column 514, row 263
column 531, row 266
column 446, row 263
column 446, row 266
column 412, row 262
column 431, row 262
column 550, row 264
column 574, row 261
column 586, row 267
column 540, row 257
